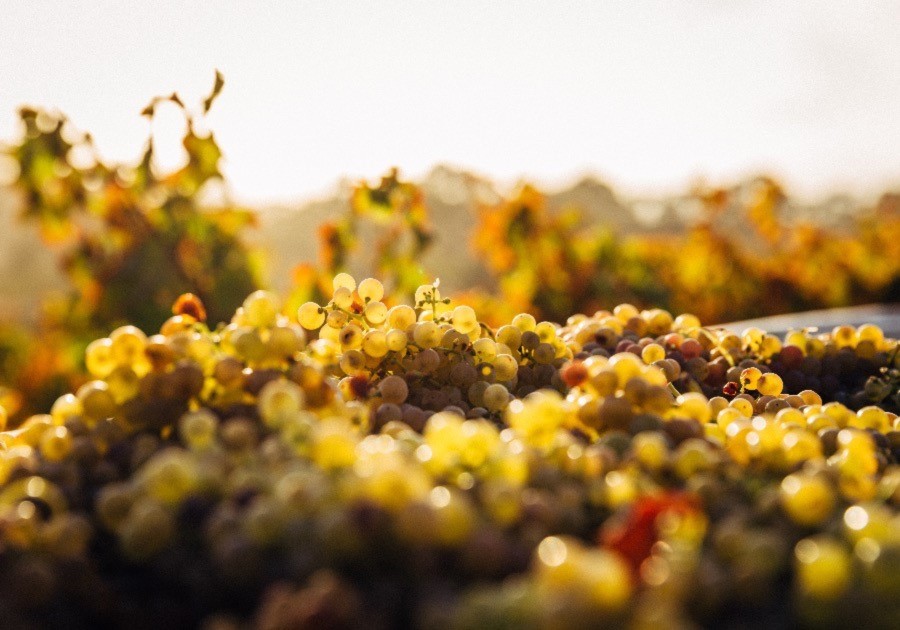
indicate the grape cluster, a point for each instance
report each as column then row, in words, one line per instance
column 355, row 464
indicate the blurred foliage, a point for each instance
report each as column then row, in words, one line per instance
column 130, row 241
column 547, row 266
column 398, row 212
column 552, row 265
column 127, row 239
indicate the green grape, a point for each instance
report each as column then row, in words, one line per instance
column 464, row 319
column 248, row 344
column 524, row 322
column 844, row 336
column 485, row 349
column 396, row 340
column 769, row 384
column 337, row 319
column 353, row 362
column 376, row 313
column 625, row 312
column 345, row 281
column 98, row 358
column 546, row 331
column 66, row 406
column 808, row 500
column 351, row 337
column 342, row 298
column 750, row 378
column 510, row 335
column 495, row 397
column 370, row 290
column 146, row 530
column 285, row 341
column 200, row 348
column 96, row 400
column 752, row 338
column 169, row 476
column 401, row 317
column 261, row 309
column 56, row 443
column 652, row 353
column 871, row 332
column 427, row 334
column 127, row 344
column 330, row 334
column 311, row 316
column 280, row 400
column 198, row 429
column 505, row 367
column 375, row 343
column 823, row 568
column 686, row 322
column 124, row 384
column 650, row 449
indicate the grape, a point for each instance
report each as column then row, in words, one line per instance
column 769, row 384
column 278, row 401
column 505, row 367
column 544, row 353
column 427, row 334
column 370, row 290
column 524, row 322
column 198, row 428
column 401, row 317
column 285, row 341
column 808, row 500
column 311, row 316
column 485, row 350
column 823, row 567
column 375, row 343
column 261, row 309
column 393, row 389
column 495, row 397
column 127, row 344
column 351, row 337
column 546, row 331
column 344, row 281
column 342, row 298
column 99, row 358
column 353, row 362
column 396, row 340
column 464, row 319
column 376, row 313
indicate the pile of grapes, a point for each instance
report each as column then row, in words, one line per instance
column 355, row 465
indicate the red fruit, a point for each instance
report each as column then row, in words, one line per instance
column 634, row 534
column 573, row 373
column 691, row 348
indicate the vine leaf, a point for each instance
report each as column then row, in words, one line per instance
column 217, row 88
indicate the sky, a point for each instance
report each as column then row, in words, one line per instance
column 648, row 96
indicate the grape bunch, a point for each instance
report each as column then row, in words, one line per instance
column 360, row 464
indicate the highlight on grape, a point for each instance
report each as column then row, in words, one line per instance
column 352, row 462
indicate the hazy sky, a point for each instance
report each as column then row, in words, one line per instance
column 648, row 95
